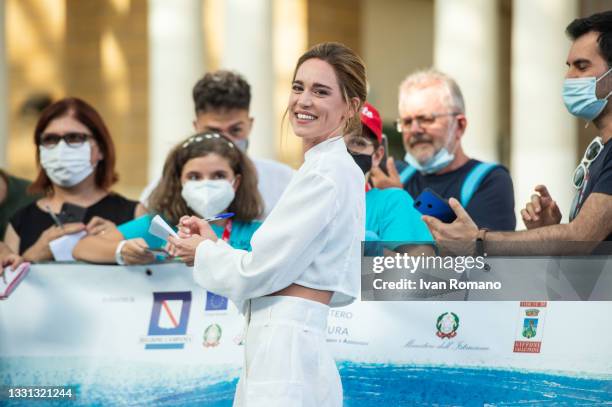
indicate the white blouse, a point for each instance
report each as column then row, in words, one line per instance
column 312, row 237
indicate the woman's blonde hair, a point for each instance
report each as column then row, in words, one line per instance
column 166, row 199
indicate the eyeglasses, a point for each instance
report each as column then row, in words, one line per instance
column 423, row 120
column 358, row 145
column 72, row 139
column 591, row 153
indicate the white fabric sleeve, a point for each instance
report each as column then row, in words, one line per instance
column 282, row 248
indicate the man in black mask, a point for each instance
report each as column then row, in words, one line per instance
column 390, row 215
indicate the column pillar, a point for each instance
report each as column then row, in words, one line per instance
column 544, row 134
column 4, row 95
column 176, row 62
column 466, row 48
column 248, row 46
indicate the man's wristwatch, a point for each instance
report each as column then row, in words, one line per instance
column 480, row 239
column 118, row 256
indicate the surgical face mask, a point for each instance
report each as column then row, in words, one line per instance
column 580, row 98
column 66, row 166
column 364, row 161
column 208, row 198
column 437, row 162
column 242, row 144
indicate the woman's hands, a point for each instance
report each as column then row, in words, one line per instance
column 192, row 232
column 185, row 249
column 13, row 260
column 99, row 226
column 192, row 225
column 40, row 250
column 136, row 251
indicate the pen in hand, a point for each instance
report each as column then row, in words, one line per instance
column 220, row 216
column 185, row 232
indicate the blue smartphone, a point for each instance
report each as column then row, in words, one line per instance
column 430, row 203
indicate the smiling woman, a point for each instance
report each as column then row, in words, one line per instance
column 306, row 255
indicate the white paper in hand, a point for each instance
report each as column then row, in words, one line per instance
column 11, row 278
column 62, row 246
column 159, row 228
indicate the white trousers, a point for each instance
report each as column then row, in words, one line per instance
column 287, row 362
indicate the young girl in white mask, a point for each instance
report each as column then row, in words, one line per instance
column 76, row 159
column 205, row 175
column 306, row 255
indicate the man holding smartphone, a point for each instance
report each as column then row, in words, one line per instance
column 586, row 92
column 432, row 122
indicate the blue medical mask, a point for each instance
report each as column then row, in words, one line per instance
column 580, row 98
column 437, row 162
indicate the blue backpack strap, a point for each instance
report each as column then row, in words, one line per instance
column 407, row 173
column 473, row 180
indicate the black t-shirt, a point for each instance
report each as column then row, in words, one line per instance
column 491, row 206
column 31, row 221
column 600, row 177
column 16, row 198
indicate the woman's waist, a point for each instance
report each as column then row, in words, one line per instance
column 311, row 294
column 289, row 310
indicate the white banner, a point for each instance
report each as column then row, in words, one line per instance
column 150, row 335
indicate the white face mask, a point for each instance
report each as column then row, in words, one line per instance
column 208, row 198
column 66, row 166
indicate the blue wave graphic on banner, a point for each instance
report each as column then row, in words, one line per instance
column 378, row 385
column 364, row 385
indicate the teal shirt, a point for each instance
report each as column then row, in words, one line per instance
column 240, row 237
column 391, row 217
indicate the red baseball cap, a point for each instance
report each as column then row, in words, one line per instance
column 371, row 119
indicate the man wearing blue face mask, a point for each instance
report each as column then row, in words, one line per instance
column 586, row 92
column 432, row 122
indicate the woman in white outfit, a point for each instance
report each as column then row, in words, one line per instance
column 306, row 255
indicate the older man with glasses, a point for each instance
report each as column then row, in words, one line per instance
column 432, row 122
column 586, row 90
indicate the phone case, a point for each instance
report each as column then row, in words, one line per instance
column 71, row 213
column 430, row 203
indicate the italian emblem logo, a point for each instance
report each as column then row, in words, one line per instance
column 212, row 335
column 447, row 325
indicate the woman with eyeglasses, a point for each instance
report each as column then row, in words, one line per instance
column 76, row 159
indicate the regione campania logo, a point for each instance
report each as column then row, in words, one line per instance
column 168, row 321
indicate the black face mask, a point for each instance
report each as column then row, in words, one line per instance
column 364, row 161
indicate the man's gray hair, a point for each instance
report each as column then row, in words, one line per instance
column 431, row 77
